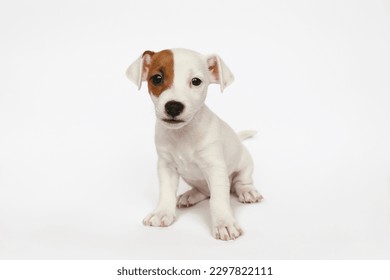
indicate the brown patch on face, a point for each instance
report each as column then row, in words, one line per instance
column 161, row 64
column 148, row 53
column 213, row 68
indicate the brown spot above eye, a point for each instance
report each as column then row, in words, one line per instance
column 162, row 64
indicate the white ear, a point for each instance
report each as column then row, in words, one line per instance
column 138, row 70
column 219, row 72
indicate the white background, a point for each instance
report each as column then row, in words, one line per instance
column 77, row 158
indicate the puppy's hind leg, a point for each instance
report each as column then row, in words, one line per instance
column 242, row 182
column 244, row 188
column 190, row 198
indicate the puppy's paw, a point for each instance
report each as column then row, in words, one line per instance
column 190, row 198
column 159, row 219
column 227, row 229
column 250, row 195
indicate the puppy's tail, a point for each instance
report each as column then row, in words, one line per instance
column 246, row 134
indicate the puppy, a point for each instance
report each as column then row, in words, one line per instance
column 191, row 141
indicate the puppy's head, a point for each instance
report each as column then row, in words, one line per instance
column 177, row 82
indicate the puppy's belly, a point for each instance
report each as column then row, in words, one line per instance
column 200, row 185
column 193, row 176
column 190, row 172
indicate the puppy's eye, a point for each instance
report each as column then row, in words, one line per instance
column 157, row 79
column 196, row 82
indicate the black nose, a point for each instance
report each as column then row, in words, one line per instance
column 174, row 108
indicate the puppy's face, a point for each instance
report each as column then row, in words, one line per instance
column 177, row 85
column 177, row 82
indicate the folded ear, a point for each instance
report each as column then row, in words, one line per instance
column 218, row 71
column 138, row 70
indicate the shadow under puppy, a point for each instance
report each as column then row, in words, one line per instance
column 191, row 141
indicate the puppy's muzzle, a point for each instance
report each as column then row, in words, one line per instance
column 174, row 108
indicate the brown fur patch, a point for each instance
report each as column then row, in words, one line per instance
column 148, row 52
column 213, row 68
column 162, row 64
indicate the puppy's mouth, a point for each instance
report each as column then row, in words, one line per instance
column 173, row 121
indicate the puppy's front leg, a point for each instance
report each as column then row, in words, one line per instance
column 224, row 224
column 164, row 214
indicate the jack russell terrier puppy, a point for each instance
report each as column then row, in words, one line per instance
column 191, row 141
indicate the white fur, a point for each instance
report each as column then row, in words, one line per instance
column 202, row 149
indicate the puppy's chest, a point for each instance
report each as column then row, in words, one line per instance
column 185, row 162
